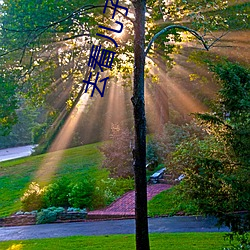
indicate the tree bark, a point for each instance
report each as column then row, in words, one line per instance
column 139, row 151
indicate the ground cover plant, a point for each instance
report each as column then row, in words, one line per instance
column 171, row 241
column 48, row 215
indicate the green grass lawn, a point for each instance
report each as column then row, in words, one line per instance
column 16, row 175
column 171, row 241
column 169, row 203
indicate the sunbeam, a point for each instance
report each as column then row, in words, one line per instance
column 115, row 109
column 50, row 163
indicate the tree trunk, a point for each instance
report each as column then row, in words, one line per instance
column 139, row 152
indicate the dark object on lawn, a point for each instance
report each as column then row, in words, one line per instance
column 155, row 177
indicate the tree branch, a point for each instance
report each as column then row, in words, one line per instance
column 44, row 28
column 73, row 37
column 218, row 38
column 166, row 29
column 86, row 8
column 74, row 13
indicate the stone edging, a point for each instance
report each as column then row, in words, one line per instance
column 30, row 219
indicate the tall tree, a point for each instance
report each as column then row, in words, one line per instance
column 138, row 100
column 139, row 151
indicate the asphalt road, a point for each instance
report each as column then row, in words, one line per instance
column 156, row 225
column 14, row 153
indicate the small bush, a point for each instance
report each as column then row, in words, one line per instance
column 123, row 185
column 81, row 194
column 118, row 158
column 152, row 156
column 33, row 198
column 38, row 132
column 73, row 209
column 57, row 193
column 48, row 215
column 109, row 189
column 103, row 194
column 242, row 241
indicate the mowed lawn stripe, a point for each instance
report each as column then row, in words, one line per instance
column 171, row 241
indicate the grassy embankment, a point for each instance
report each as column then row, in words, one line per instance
column 169, row 202
column 16, row 175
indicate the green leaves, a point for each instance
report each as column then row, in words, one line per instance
column 217, row 168
column 8, row 106
column 235, row 92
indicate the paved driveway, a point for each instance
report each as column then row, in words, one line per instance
column 156, row 225
column 14, row 153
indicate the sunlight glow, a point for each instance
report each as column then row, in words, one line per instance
column 16, row 247
column 115, row 109
column 171, row 93
column 52, row 159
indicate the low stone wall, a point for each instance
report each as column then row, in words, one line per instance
column 1, row 222
column 19, row 220
column 110, row 216
column 30, row 219
column 71, row 216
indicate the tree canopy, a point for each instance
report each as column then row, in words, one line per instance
column 8, row 105
column 48, row 43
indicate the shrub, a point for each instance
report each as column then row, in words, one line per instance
column 103, row 194
column 81, row 194
column 123, row 185
column 48, row 215
column 73, row 209
column 243, row 242
column 57, row 193
column 152, row 155
column 109, row 189
column 208, row 181
column 38, row 131
column 33, row 197
column 118, row 153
